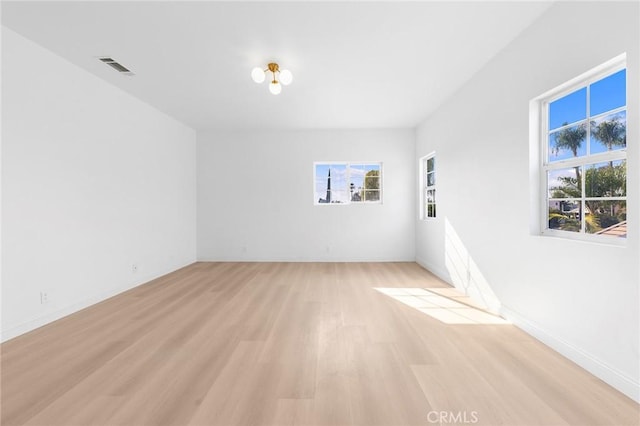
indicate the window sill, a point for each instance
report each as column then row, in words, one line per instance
column 585, row 238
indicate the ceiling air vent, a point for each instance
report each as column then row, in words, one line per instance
column 116, row 65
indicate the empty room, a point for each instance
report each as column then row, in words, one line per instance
column 320, row 213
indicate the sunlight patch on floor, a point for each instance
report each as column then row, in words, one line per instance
column 444, row 304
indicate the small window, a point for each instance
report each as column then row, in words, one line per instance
column 584, row 167
column 347, row 183
column 429, row 186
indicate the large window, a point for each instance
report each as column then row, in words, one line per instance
column 347, row 183
column 428, row 167
column 584, row 163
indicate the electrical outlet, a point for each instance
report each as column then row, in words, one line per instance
column 134, row 268
column 44, row 297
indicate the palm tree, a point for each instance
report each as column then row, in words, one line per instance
column 570, row 138
column 610, row 132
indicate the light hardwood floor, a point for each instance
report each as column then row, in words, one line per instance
column 291, row 344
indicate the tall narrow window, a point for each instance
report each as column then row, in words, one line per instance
column 584, row 157
column 429, row 186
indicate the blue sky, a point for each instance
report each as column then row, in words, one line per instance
column 606, row 94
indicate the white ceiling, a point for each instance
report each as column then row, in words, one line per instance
column 355, row 65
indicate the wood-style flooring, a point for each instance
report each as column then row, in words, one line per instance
column 291, row 344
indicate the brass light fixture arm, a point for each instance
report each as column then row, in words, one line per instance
column 274, row 68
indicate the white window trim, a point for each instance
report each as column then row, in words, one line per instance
column 539, row 110
column 347, row 164
column 423, row 187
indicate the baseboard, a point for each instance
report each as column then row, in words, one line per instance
column 625, row 384
column 435, row 270
column 303, row 260
column 27, row 326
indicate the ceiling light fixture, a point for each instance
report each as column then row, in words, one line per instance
column 280, row 77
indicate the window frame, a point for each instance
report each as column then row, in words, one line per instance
column 544, row 165
column 424, row 187
column 348, row 164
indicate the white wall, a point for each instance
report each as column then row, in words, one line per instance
column 580, row 298
column 93, row 181
column 256, row 200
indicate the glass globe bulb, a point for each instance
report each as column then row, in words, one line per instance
column 286, row 77
column 257, row 74
column 275, row 88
